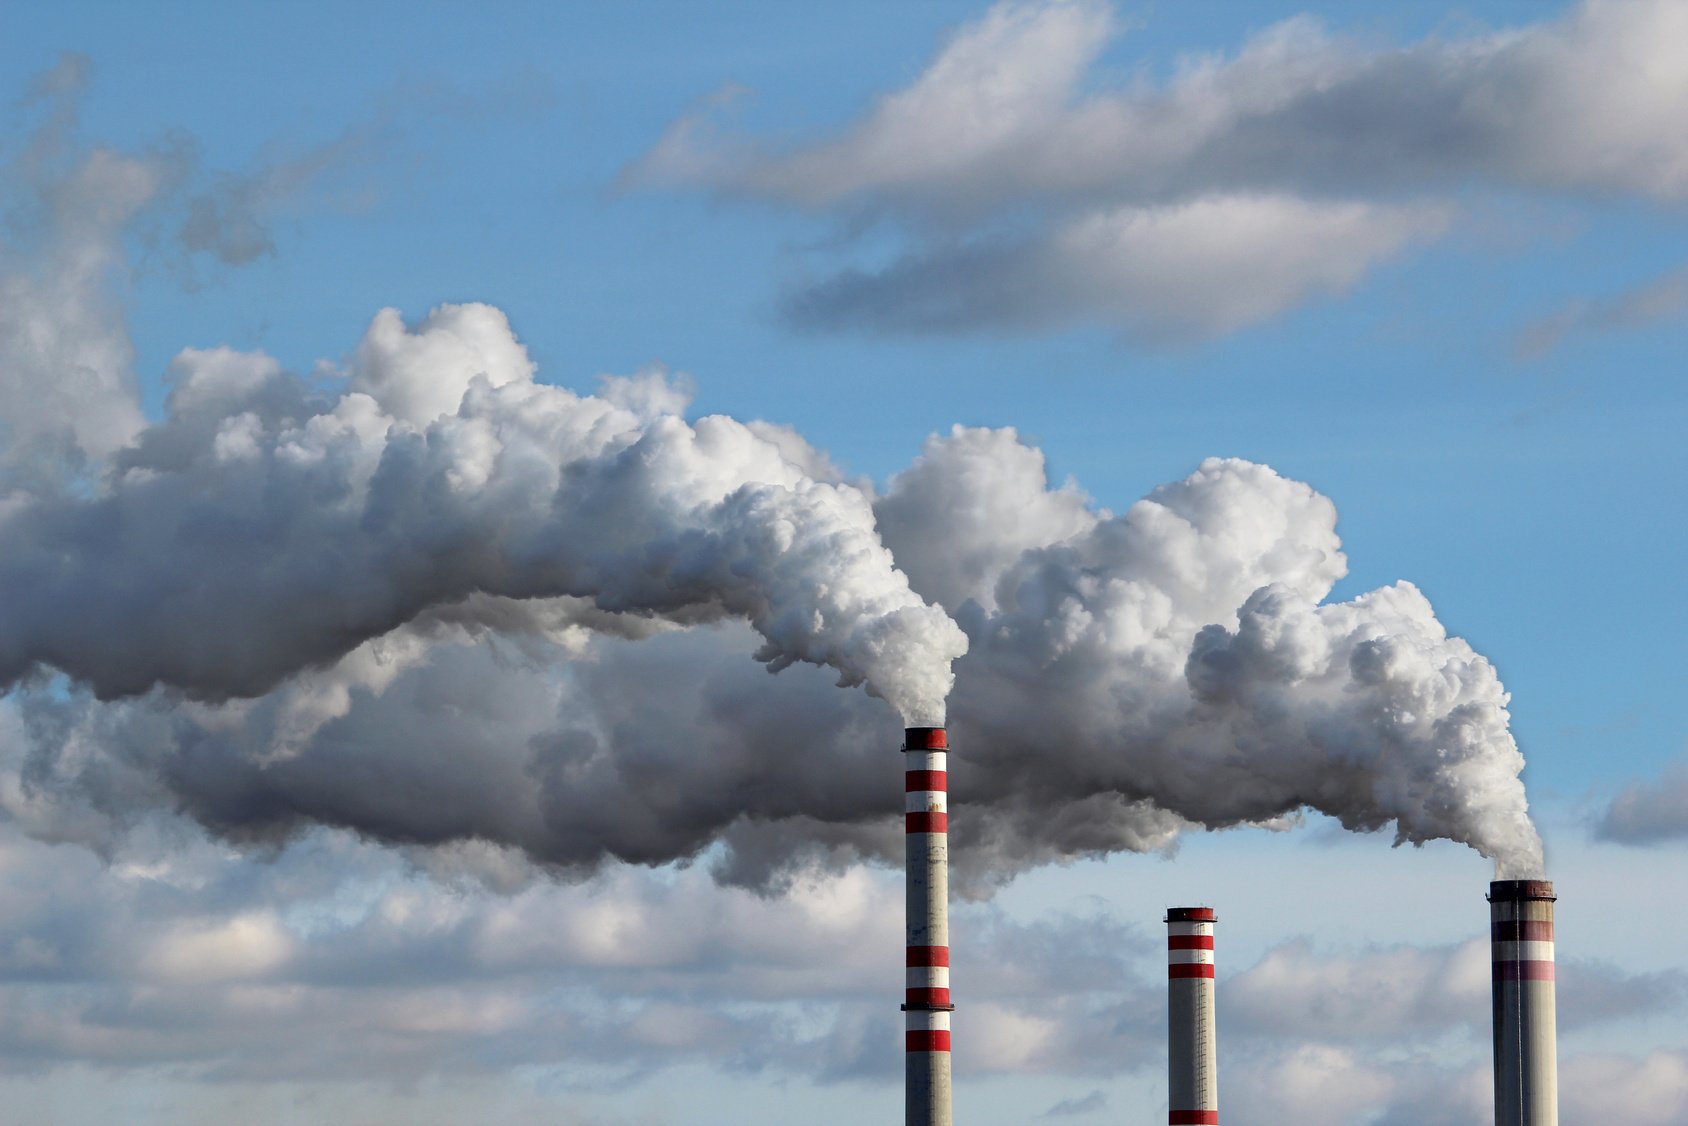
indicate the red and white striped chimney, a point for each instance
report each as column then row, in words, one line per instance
column 927, row 1058
column 1526, row 1050
column 1192, row 1075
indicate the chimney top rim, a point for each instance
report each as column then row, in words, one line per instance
column 1521, row 889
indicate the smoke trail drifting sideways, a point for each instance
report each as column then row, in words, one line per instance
column 346, row 559
column 1175, row 658
column 259, row 531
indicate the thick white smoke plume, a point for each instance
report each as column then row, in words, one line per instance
column 433, row 600
column 292, row 603
column 1176, row 655
column 258, row 531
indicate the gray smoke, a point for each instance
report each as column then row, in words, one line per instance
column 259, row 530
column 367, row 610
column 432, row 600
column 1176, row 658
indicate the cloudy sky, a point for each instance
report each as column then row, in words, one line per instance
column 422, row 431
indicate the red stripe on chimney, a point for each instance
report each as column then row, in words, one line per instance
column 1522, row 930
column 929, row 1040
column 927, row 780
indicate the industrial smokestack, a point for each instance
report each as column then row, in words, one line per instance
column 1526, row 1052
column 928, row 1005
column 1192, row 1076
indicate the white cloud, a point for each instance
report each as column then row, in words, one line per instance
column 1652, row 1091
column 333, row 962
column 247, row 945
column 1407, row 995
column 1163, row 274
column 1313, row 1084
column 332, row 959
column 1233, row 191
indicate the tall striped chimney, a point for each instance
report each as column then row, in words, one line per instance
column 1526, row 1052
column 1192, row 1073
column 927, row 1058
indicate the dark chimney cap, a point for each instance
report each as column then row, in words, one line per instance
column 1190, row 915
column 1521, row 889
column 924, row 739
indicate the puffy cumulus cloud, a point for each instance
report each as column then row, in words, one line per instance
column 1329, row 1085
column 1311, row 1083
column 1395, row 996
column 337, row 960
column 356, row 967
column 1400, row 994
column 1648, row 812
column 1652, row 1091
column 1400, row 1035
column 1240, row 186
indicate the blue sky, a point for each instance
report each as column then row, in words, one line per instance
column 1529, row 480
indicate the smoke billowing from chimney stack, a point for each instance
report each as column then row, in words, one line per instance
column 274, row 563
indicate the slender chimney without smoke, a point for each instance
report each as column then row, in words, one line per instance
column 927, row 1055
column 1526, row 1051
column 1192, row 1076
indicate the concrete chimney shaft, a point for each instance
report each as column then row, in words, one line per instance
column 1192, row 1076
column 927, row 1054
column 1526, row 1049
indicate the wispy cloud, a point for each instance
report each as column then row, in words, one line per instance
column 1242, row 187
column 1648, row 812
column 1066, row 1108
column 1661, row 298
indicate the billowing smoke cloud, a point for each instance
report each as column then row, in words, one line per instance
column 431, row 599
column 1176, row 658
column 432, row 624
column 258, row 531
